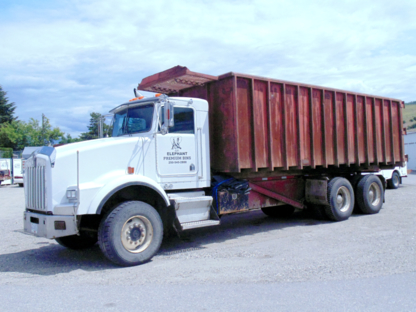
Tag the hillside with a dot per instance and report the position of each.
(409, 115)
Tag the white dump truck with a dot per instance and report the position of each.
(221, 145)
(394, 177)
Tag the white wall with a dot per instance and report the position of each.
(410, 149)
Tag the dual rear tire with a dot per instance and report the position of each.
(370, 194)
(367, 197)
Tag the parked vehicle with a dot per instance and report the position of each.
(394, 176)
(17, 172)
(221, 145)
(5, 171)
(9, 176)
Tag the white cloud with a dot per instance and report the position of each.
(70, 58)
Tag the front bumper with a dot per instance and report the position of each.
(46, 225)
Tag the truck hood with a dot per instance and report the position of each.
(99, 159)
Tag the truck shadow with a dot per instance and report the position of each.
(232, 227)
(52, 259)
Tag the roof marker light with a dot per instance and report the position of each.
(137, 98)
(137, 95)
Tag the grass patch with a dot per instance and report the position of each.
(409, 114)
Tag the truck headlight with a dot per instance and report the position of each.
(72, 195)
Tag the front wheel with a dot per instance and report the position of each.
(340, 199)
(394, 182)
(369, 194)
(131, 234)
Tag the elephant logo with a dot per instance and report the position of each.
(176, 143)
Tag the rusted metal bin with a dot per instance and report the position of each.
(272, 126)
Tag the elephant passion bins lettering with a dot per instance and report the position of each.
(177, 155)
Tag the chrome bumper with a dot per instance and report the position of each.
(49, 226)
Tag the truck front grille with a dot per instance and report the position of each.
(35, 186)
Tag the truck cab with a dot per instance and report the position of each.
(158, 151)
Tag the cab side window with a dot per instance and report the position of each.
(183, 119)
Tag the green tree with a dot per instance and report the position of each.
(93, 127)
(18, 134)
(6, 108)
(6, 152)
(68, 139)
(13, 134)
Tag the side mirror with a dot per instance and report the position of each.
(168, 117)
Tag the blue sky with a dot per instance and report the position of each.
(67, 59)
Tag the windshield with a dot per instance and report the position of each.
(133, 120)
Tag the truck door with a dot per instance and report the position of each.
(176, 151)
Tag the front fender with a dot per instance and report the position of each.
(119, 183)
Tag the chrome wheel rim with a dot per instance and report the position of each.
(395, 180)
(343, 199)
(374, 194)
(136, 234)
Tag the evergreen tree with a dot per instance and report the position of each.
(93, 127)
(68, 139)
(6, 108)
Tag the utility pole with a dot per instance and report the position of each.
(100, 127)
(43, 128)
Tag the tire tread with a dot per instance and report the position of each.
(105, 239)
(329, 211)
(362, 203)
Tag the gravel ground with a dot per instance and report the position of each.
(244, 259)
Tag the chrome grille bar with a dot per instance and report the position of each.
(36, 188)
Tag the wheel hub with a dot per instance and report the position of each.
(343, 199)
(136, 234)
(374, 194)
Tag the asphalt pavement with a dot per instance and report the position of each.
(250, 261)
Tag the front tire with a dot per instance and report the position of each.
(81, 241)
(340, 199)
(369, 194)
(394, 182)
(131, 234)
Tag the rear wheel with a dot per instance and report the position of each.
(340, 199)
(283, 211)
(369, 194)
(131, 234)
(81, 241)
(394, 182)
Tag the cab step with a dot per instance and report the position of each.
(199, 224)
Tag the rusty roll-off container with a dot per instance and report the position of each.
(269, 126)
